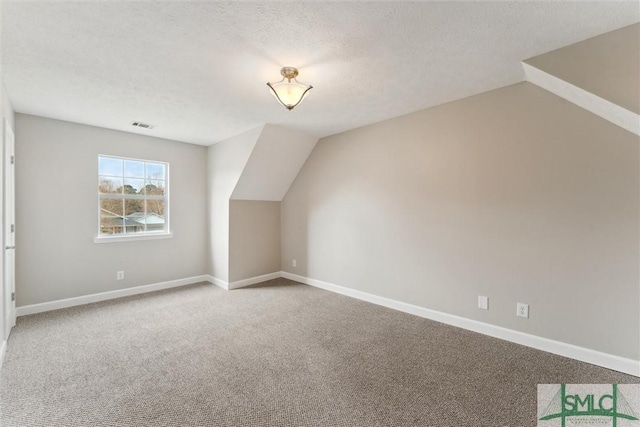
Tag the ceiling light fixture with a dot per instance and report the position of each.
(291, 92)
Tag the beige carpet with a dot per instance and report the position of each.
(279, 354)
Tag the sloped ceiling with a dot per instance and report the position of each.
(275, 161)
(601, 74)
(607, 66)
(197, 70)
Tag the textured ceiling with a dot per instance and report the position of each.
(197, 70)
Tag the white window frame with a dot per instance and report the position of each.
(146, 235)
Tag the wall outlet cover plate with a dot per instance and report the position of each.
(483, 302)
(522, 310)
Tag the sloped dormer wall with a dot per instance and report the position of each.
(599, 74)
(248, 176)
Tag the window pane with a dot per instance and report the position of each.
(133, 206)
(156, 171)
(133, 169)
(155, 187)
(155, 218)
(132, 229)
(132, 181)
(134, 216)
(112, 206)
(109, 166)
(111, 220)
(133, 186)
(109, 185)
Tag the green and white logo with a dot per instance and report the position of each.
(588, 405)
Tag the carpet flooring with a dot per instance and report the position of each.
(276, 354)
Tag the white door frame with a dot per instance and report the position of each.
(9, 278)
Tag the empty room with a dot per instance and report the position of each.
(320, 213)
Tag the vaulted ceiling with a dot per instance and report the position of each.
(197, 71)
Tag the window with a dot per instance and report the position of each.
(133, 198)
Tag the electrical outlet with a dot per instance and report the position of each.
(483, 302)
(120, 275)
(522, 310)
(293, 263)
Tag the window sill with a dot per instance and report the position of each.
(132, 237)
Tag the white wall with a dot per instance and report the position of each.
(56, 208)
(514, 194)
(2, 291)
(8, 114)
(274, 163)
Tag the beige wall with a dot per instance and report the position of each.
(514, 194)
(225, 162)
(254, 243)
(607, 65)
(56, 210)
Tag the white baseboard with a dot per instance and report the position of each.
(3, 351)
(617, 363)
(610, 361)
(218, 282)
(103, 296)
(253, 280)
(244, 282)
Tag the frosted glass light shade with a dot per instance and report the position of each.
(288, 91)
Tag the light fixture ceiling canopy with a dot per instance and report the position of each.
(289, 91)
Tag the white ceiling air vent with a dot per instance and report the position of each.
(141, 125)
